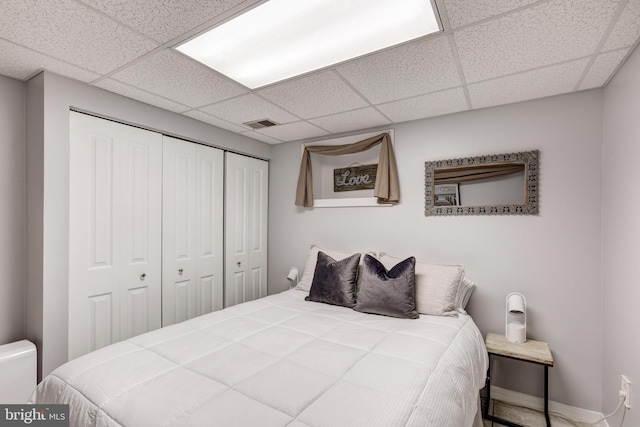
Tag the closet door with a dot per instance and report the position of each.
(246, 207)
(114, 235)
(210, 229)
(192, 251)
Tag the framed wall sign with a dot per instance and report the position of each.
(361, 177)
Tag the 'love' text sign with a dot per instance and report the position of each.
(355, 178)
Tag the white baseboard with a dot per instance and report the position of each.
(537, 404)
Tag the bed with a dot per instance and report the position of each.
(281, 361)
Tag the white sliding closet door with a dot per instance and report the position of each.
(115, 189)
(192, 230)
(245, 228)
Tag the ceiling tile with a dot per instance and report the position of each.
(315, 95)
(140, 95)
(463, 12)
(534, 84)
(204, 117)
(626, 31)
(174, 76)
(21, 63)
(293, 131)
(351, 120)
(163, 20)
(408, 70)
(71, 32)
(602, 68)
(247, 108)
(542, 35)
(433, 104)
(261, 137)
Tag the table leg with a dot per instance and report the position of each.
(486, 415)
(546, 395)
(488, 387)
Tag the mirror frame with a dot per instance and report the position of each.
(530, 206)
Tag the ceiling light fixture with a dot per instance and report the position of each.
(281, 39)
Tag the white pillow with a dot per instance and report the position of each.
(310, 267)
(436, 286)
(464, 293)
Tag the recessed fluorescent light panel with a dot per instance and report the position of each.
(281, 39)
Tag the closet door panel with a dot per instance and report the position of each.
(246, 228)
(258, 227)
(210, 296)
(178, 229)
(141, 222)
(114, 200)
(184, 301)
(94, 226)
(100, 190)
(210, 225)
(100, 321)
(237, 258)
(138, 307)
(192, 230)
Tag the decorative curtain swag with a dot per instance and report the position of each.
(386, 189)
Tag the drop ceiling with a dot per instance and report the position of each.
(491, 52)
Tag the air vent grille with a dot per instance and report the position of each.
(260, 124)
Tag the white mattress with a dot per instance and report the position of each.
(280, 361)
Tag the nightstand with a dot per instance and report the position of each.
(537, 352)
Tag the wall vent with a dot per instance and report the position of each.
(260, 124)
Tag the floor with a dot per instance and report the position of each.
(526, 417)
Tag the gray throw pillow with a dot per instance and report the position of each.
(388, 292)
(334, 282)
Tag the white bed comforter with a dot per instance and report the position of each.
(280, 361)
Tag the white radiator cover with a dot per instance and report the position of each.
(18, 369)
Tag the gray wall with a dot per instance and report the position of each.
(12, 210)
(553, 258)
(621, 238)
(49, 99)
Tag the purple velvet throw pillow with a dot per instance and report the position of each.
(334, 282)
(388, 292)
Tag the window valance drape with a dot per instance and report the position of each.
(386, 189)
(452, 175)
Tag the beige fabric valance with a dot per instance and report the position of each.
(386, 189)
(451, 175)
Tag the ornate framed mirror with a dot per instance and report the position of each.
(499, 184)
